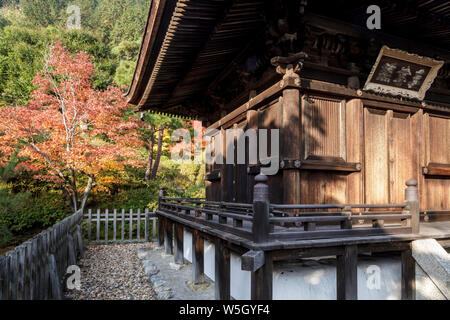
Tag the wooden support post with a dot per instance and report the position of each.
(12, 275)
(408, 275)
(146, 225)
(98, 224)
(4, 274)
(161, 228)
(161, 220)
(139, 224)
(262, 280)
(197, 257)
(290, 135)
(20, 272)
(222, 270)
(35, 276)
(168, 236)
(413, 205)
(28, 273)
(106, 224)
(115, 225)
(347, 224)
(153, 229)
(80, 242)
(179, 252)
(46, 252)
(54, 279)
(130, 221)
(261, 226)
(122, 236)
(346, 274)
(89, 224)
(71, 250)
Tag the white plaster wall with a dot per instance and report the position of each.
(187, 245)
(385, 287)
(240, 280)
(304, 281)
(208, 259)
(378, 279)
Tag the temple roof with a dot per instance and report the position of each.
(189, 44)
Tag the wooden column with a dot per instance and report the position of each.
(290, 139)
(222, 270)
(168, 236)
(408, 275)
(179, 252)
(197, 257)
(412, 201)
(161, 231)
(346, 274)
(252, 123)
(262, 280)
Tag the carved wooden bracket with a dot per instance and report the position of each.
(289, 66)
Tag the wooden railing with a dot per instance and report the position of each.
(120, 226)
(265, 222)
(35, 269)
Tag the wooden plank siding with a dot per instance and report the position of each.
(350, 150)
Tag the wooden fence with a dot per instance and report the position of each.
(120, 226)
(35, 269)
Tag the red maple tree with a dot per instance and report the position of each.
(71, 134)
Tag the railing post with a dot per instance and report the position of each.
(412, 202)
(261, 227)
(262, 278)
(160, 195)
(160, 220)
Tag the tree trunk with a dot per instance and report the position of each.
(149, 160)
(87, 191)
(158, 152)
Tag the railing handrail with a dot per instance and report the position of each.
(268, 222)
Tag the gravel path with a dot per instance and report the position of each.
(112, 272)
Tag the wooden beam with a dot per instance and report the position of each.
(179, 250)
(222, 270)
(197, 257)
(168, 236)
(252, 260)
(346, 274)
(161, 220)
(408, 275)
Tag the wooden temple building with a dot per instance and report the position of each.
(360, 112)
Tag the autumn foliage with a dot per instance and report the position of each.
(71, 134)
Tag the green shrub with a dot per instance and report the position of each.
(21, 211)
(5, 236)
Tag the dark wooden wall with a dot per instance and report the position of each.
(352, 151)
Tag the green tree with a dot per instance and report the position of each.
(45, 12)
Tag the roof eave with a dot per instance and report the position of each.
(138, 84)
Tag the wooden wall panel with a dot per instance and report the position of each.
(324, 128)
(400, 155)
(439, 142)
(355, 139)
(376, 156)
(435, 193)
(241, 171)
(323, 187)
(269, 118)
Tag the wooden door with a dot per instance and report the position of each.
(388, 151)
